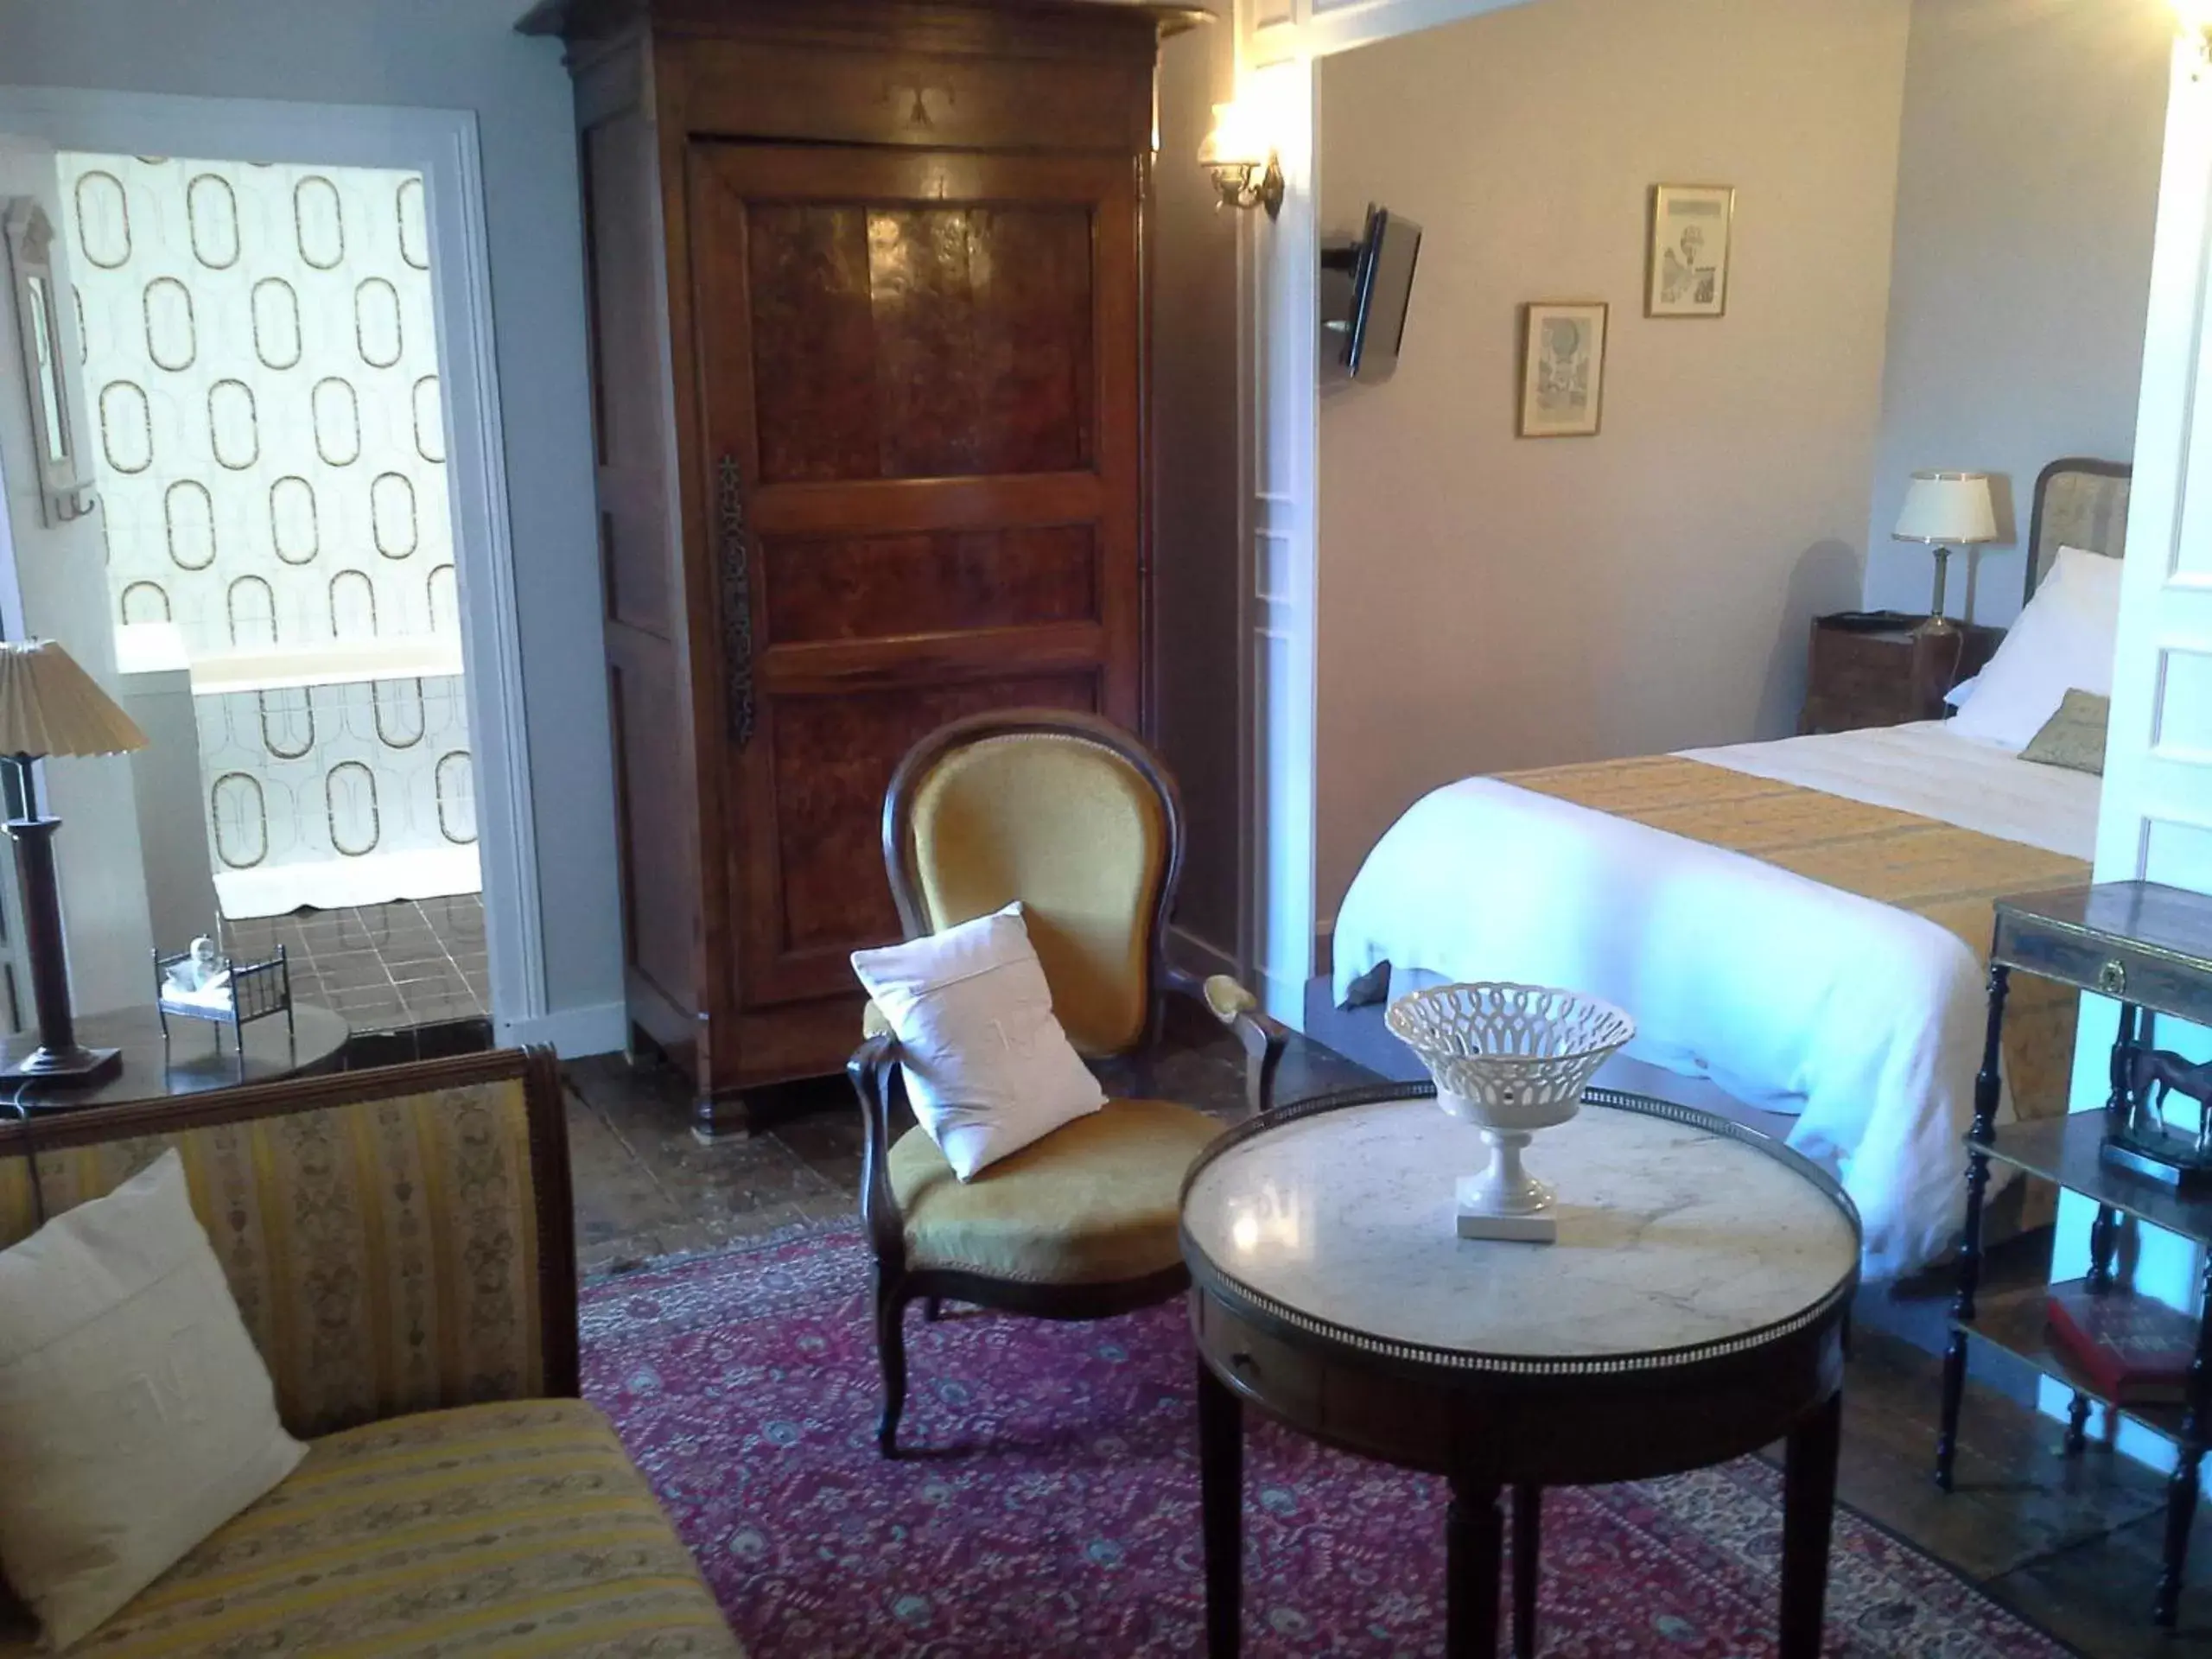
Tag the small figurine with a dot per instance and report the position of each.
(197, 975)
(2170, 1074)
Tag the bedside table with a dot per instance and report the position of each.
(1887, 675)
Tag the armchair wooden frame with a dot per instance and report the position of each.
(875, 1076)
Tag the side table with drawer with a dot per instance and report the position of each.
(1887, 675)
(2149, 947)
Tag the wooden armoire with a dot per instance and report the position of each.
(868, 342)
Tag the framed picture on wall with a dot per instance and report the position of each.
(1562, 368)
(1687, 275)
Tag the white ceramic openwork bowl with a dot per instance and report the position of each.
(1510, 1060)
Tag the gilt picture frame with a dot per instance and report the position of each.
(1563, 368)
(1692, 238)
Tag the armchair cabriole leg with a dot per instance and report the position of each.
(891, 1353)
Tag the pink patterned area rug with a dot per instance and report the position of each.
(1052, 1506)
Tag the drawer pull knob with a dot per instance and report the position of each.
(2112, 979)
(1243, 1364)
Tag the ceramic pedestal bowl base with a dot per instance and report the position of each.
(1509, 1060)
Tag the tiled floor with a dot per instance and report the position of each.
(2071, 1544)
(417, 962)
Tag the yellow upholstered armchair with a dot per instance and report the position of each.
(1080, 821)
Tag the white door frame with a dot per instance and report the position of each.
(1278, 44)
(2155, 819)
(440, 145)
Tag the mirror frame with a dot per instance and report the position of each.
(63, 494)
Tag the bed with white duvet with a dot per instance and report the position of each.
(1861, 1020)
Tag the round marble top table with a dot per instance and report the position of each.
(1692, 1311)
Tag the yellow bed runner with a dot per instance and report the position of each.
(1951, 876)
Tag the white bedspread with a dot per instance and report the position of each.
(1925, 769)
(1864, 1020)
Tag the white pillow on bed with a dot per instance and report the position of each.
(2063, 642)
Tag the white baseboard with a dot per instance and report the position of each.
(1201, 957)
(597, 1029)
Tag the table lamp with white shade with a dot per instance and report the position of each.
(1946, 510)
(49, 705)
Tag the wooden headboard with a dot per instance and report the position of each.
(2079, 503)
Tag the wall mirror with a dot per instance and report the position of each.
(37, 296)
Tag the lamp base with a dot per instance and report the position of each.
(1936, 627)
(74, 1067)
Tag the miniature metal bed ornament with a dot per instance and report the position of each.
(200, 984)
(1510, 1060)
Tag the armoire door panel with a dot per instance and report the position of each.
(824, 587)
(921, 341)
(832, 758)
(891, 505)
(925, 366)
(916, 659)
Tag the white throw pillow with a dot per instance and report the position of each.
(136, 1416)
(2063, 642)
(988, 1069)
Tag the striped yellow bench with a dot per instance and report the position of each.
(400, 1242)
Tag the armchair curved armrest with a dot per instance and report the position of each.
(874, 1070)
(1261, 1037)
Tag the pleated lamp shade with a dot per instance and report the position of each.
(50, 706)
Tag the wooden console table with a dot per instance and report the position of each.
(2149, 948)
(1692, 1312)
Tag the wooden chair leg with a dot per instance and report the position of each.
(891, 1353)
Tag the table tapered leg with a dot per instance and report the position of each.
(1528, 1551)
(2077, 1425)
(1986, 1089)
(1474, 1540)
(1807, 1516)
(2181, 1485)
(1221, 1504)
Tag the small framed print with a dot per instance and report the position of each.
(1690, 234)
(1562, 369)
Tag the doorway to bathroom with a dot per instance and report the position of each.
(260, 351)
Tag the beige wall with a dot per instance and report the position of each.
(2027, 185)
(1194, 477)
(1487, 602)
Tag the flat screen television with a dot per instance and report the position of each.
(1381, 289)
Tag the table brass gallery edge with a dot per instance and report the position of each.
(1492, 1424)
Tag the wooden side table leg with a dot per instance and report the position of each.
(1527, 1555)
(1221, 1508)
(2181, 1485)
(2077, 1425)
(1807, 1517)
(2104, 1240)
(1474, 1542)
(1987, 1087)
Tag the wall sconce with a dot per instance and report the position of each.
(1236, 152)
(2196, 19)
